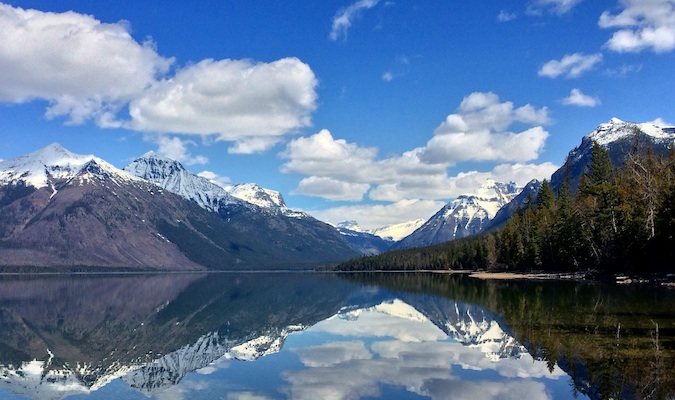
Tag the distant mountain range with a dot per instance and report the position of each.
(468, 214)
(61, 210)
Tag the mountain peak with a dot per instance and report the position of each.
(172, 176)
(616, 130)
(265, 198)
(41, 166)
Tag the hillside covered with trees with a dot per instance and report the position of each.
(620, 219)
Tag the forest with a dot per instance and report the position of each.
(618, 219)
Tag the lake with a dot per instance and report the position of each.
(322, 336)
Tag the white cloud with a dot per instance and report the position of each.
(343, 18)
(505, 16)
(388, 76)
(237, 100)
(338, 170)
(89, 70)
(333, 353)
(253, 145)
(372, 216)
(658, 122)
(322, 155)
(642, 25)
(477, 132)
(177, 149)
(84, 68)
(559, 7)
(215, 178)
(331, 189)
(485, 146)
(571, 65)
(423, 362)
(578, 98)
(623, 70)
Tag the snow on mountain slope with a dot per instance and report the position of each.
(172, 176)
(468, 214)
(617, 129)
(393, 232)
(42, 168)
(397, 232)
(619, 139)
(267, 199)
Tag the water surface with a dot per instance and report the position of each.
(315, 336)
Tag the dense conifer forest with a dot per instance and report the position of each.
(620, 219)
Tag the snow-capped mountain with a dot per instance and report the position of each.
(52, 164)
(468, 324)
(397, 232)
(619, 138)
(394, 232)
(63, 210)
(172, 176)
(361, 241)
(266, 199)
(468, 214)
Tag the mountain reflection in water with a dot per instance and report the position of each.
(318, 336)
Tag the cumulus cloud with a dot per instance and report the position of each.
(331, 189)
(176, 148)
(339, 170)
(322, 155)
(578, 98)
(658, 122)
(571, 65)
(333, 353)
(233, 99)
(642, 25)
(343, 18)
(558, 7)
(477, 132)
(372, 216)
(89, 70)
(215, 178)
(84, 68)
(424, 364)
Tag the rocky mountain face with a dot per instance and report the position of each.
(67, 211)
(468, 214)
(509, 209)
(397, 232)
(619, 138)
(257, 211)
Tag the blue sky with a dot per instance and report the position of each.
(377, 111)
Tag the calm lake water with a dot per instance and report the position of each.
(315, 336)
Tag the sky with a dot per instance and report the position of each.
(369, 110)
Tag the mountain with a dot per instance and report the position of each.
(267, 199)
(619, 138)
(261, 213)
(65, 211)
(510, 208)
(362, 242)
(394, 232)
(397, 232)
(171, 175)
(468, 214)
